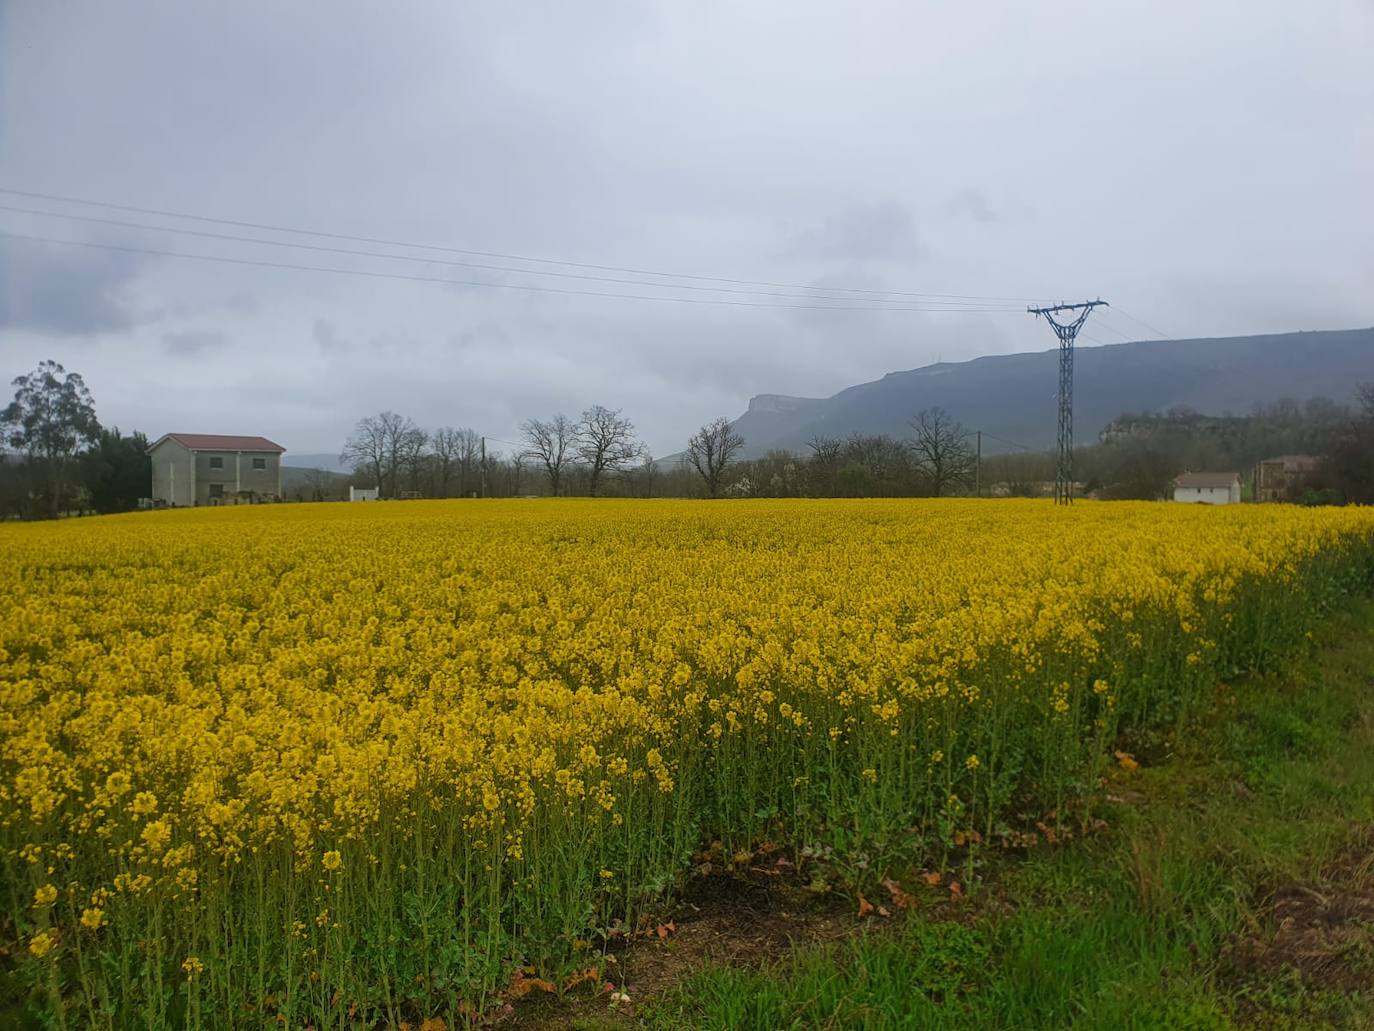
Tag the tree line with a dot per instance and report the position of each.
(600, 453)
(59, 459)
(1140, 453)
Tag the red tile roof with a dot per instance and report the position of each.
(1207, 480)
(220, 442)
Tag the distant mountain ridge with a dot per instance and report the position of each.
(330, 463)
(1013, 396)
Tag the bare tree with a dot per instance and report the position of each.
(382, 444)
(605, 441)
(469, 455)
(825, 449)
(823, 468)
(648, 473)
(445, 445)
(942, 449)
(551, 443)
(319, 484)
(366, 448)
(400, 438)
(711, 450)
(410, 454)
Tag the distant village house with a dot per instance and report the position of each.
(215, 469)
(1208, 488)
(1282, 478)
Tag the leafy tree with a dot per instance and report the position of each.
(711, 450)
(117, 471)
(51, 418)
(1348, 470)
(855, 480)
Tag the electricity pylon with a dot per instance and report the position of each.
(1066, 332)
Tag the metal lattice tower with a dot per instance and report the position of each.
(1066, 332)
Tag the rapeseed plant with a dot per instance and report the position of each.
(340, 763)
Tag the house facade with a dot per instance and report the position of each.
(1282, 478)
(1208, 488)
(192, 469)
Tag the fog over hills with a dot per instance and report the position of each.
(329, 462)
(1013, 396)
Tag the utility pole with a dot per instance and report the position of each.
(1066, 332)
(483, 468)
(978, 468)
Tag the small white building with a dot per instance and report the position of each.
(215, 469)
(1208, 488)
(364, 493)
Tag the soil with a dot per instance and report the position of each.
(723, 920)
(1322, 931)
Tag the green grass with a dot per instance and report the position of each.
(1134, 927)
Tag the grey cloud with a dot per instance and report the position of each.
(973, 204)
(193, 341)
(66, 291)
(779, 141)
(884, 230)
(327, 337)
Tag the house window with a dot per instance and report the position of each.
(216, 461)
(259, 463)
(216, 490)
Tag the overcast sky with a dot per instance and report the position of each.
(1204, 165)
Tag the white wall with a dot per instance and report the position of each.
(1208, 495)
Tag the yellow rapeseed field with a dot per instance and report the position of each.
(367, 762)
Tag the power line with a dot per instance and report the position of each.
(952, 305)
(1004, 440)
(496, 254)
(476, 283)
(1142, 322)
(1112, 329)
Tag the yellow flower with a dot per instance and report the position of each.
(42, 943)
(524, 682)
(156, 835)
(92, 919)
(192, 966)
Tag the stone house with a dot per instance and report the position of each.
(1282, 478)
(215, 469)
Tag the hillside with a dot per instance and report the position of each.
(330, 463)
(1013, 396)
